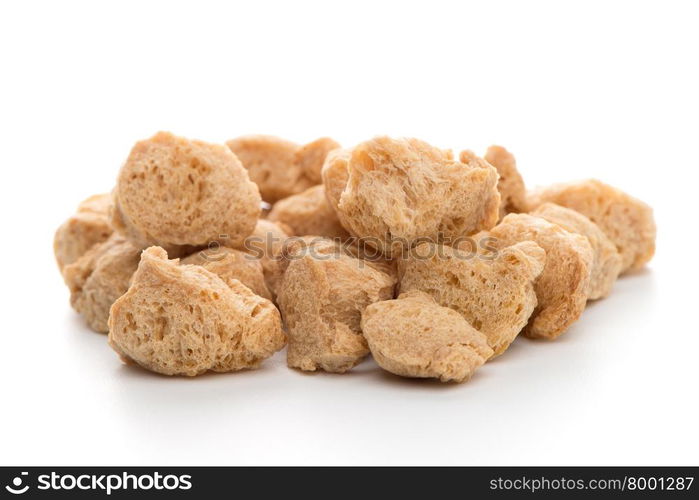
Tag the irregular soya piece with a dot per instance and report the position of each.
(413, 336)
(397, 191)
(309, 213)
(496, 296)
(229, 263)
(83, 230)
(266, 243)
(322, 298)
(510, 183)
(627, 221)
(606, 262)
(184, 320)
(174, 192)
(99, 277)
(562, 288)
(281, 168)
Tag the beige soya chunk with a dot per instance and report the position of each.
(99, 277)
(322, 297)
(606, 262)
(493, 292)
(266, 243)
(308, 213)
(562, 288)
(229, 263)
(86, 228)
(184, 320)
(279, 167)
(181, 194)
(399, 191)
(627, 221)
(413, 336)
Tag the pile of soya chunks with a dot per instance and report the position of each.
(212, 257)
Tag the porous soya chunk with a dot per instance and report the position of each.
(627, 221)
(99, 277)
(494, 294)
(510, 183)
(398, 191)
(322, 298)
(606, 262)
(184, 320)
(83, 230)
(562, 288)
(281, 168)
(266, 243)
(308, 213)
(174, 192)
(413, 336)
(228, 264)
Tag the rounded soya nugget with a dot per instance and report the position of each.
(281, 168)
(266, 243)
(229, 263)
(88, 227)
(510, 182)
(99, 277)
(562, 288)
(174, 192)
(606, 262)
(495, 295)
(398, 191)
(413, 336)
(627, 221)
(308, 213)
(322, 298)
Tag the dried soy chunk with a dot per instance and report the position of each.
(399, 191)
(627, 221)
(279, 167)
(510, 182)
(606, 262)
(88, 227)
(99, 277)
(413, 336)
(495, 294)
(266, 243)
(229, 263)
(308, 213)
(322, 298)
(178, 193)
(562, 288)
(184, 320)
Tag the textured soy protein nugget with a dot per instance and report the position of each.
(99, 277)
(399, 191)
(495, 295)
(308, 213)
(413, 336)
(266, 242)
(510, 183)
(88, 227)
(184, 320)
(563, 286)
(627, 221)
(174, 192)
(279, 167)
(322, 297)
(606, 262)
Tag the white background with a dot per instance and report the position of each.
(594, 89)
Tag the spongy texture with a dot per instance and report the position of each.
(89, 226)
(413, 336)
(627, 221)
(266, 242)
(229, 263)
(322, 298)
(279, 167)
(562, 288)
(606, 262)
(400, 190)
(495, 295)
(176, 192)
(99, 277)
(510, 184)
(308, 213)
(184, 320)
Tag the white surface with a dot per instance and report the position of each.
(604, 90)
